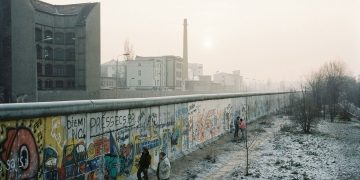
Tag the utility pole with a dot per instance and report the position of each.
(116, 77)
(185, 52)
(246, 138)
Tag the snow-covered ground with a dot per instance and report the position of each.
(281, 151)
(330, 152)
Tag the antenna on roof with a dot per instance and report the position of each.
(128, 50)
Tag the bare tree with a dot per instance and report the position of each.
(315, 84)
(334, 73)
(322, 91)
(304, 109)
(249, 143)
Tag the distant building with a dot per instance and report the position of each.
(160, 73)
(113, 73)
(204, 84)
(229, 81)
(108, 82)
(49, 52)
(195, 70)
(205, 78)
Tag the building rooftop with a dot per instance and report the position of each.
(137, 58)
(113, 62)
(70, 9)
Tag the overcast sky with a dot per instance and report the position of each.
(277, 39)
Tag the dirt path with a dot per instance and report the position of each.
(330, 152)
(218, 159)
(240, 156)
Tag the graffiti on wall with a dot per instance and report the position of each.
(108, 145)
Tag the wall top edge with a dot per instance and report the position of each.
(43, 109)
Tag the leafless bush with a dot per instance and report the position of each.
(304, 110)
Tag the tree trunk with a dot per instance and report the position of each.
(247, 161)
(246, 140)
(247, 153)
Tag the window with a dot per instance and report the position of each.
(178, 74)
(39, 68)
(48, 37)
(48, 55)
(48, 69)
(38, 34)
(59, 38)
(48, 84)
(59, 84)
(70, 70)
(70, 84)
(139, 72)
(40, 84)
(70, 54)
(70, 38)
(59, 70)
(38, 51)
(139, 64)
(59, 54)
(139, 82)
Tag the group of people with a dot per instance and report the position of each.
(239, 124)
(162, 171)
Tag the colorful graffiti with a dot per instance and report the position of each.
(107, 145)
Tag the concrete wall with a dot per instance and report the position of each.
(107, 144)
(129, 93)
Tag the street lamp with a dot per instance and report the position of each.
(117, 73)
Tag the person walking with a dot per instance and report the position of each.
(164, 167)
(144, 164)
(236, 125)
(242, 127)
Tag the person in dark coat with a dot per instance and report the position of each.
(144, 164)
(236, 125)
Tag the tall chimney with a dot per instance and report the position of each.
(185, 52)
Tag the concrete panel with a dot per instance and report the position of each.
(108, 144)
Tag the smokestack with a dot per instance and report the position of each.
(185, 52)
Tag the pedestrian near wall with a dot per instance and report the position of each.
(236, 125)
(242, 127)
(144, 164)
(164, 167)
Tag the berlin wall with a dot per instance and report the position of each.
(107, 144)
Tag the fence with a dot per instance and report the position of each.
(102, 139)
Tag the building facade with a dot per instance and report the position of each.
(229, 82)
(49, 52)
(195, 70)
(204, 85)
(113, 74)
(155, 73)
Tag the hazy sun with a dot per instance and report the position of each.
(208, 43)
